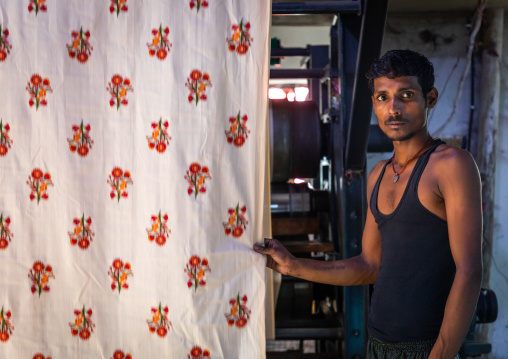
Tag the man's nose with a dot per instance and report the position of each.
(395, 107)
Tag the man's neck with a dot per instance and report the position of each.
(404, 150)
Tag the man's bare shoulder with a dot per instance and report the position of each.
(375, 172)
(452, 162)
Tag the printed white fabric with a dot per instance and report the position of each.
(132, 166)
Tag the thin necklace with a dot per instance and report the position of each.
(396, 177)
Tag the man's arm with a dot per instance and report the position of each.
(460, 186)
(362, 269)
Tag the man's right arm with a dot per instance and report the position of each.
(362, 269)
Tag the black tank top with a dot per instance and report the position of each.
(417, 268)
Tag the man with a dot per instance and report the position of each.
(421, 245)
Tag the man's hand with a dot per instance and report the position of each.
(278, 257)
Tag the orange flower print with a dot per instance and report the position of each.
(196, 176)
(237, 222)
(117, 6)
(38, 88)
(241, 39)
(238, 131)
(80, 142)
(160, 44)
(196, 269)
(239, 313)
(5, 46)
(80, 47)
(83, 325)
(197, 83)
(5, 233)
(198, 4)
(38, 183)
(5, 140)
(118, 180)
(118, 354)
(159, 138)
(41, 356)
(159, 232)
(118, 88)
(119, 271)
(160, 323)
(198, 353)
(39, 275)
(82, 234)
(6, 327)
(37, 5)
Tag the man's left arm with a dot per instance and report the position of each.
(460, 186)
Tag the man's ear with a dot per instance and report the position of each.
(432, 98)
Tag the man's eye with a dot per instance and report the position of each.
(407, 94)
(381, 98)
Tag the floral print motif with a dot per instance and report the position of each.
(118, 180)
(160, 138)
(6, 327)
(236, 223)
(83, 325)
(37, 5)
(196, 270)
(38, 88)
(118, 354)
(80, 141)
(119, 272)
(118, 88)
(238, 131)
(241, 39)
(118, 5)
(5, 233)
(5, 140)
(82, 235)
(80, 48)
(159, 231)
(196, 176)
(198, 353)
(5, 46)
(160, 322)
(41, 356)
(239, 313)
(198, 4)
(196, 83)
(39, 275)
(160, 45)
(39, 182)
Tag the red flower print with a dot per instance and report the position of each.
(160, 322)
(160, 138)
(197, 83)
(5, 140)
(6, 327)
(81, 142)
(237, 222)
(159, 232)
(82, 234)
(118, 88)
(241, 39)
(119, 273)
(37, 5)
(38, 88)
(38, 183)
(196, 176)
(198, 4)
(239, 313)
(83, 324)
(5, 233)
(198, 353)
(5, 46)
(118, 354)
(117, 6)
(196, 270)
(80, 48)
(160, 44)
(118, 180)
(238, 131)
(39, 276)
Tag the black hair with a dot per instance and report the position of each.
(397, 63)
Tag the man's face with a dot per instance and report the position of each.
(400, 106)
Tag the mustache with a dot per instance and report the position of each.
(394, 119)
